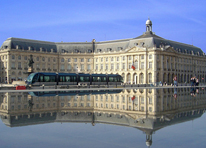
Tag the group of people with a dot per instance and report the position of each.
(194, 81)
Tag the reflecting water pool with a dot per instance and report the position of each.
(105, 118)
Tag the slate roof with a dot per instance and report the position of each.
(148, 39)
(24, 44)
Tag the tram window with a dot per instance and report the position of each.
(83, 79)
(94, 79)
(41, 79)
(98, 79)
(62, 79)
(68, 79)
(111, 79)
(74, 79)
(115, 79)
(35, 79)
(104, 79)
(46, 78)
(52, 78)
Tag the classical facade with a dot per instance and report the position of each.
(145, 59)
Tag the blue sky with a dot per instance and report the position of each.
(81, 20)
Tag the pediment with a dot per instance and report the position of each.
(170, 49)
(135, 49)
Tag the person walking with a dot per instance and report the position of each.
(192, 81)
(175, 80)
(197, 82)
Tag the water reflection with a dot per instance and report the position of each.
(148, 110)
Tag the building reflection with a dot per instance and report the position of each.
(145, 109)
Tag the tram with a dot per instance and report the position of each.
(46, 79)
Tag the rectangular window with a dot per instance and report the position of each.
(112, 66)
(88, 60)
(88, 67)
(82, 66)
(130, 65)
(142, 65)
(142, 57)
(150, 77)
(62, 66)
(123, 66)
(75, 59)
(150, 100)
(96, 66)
(142, 100)
(69, 67)
(150, 56)
(82, 60)
(106, 67)
(75, 67)
(150, 65)
(69, 60)
(13, 65)
(19, 64)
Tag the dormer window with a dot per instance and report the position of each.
(63, 50)
(48, 50)
(5, 47)
(119, 48)
(99, 50)
(43, 50)
(109, 49)
(89, 51)
(76, 50)
(18, 47)
(142, 43)
(31, 48)
(54, 50)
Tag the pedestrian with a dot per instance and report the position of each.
(197, 82)
(175, 80)
(192, 81)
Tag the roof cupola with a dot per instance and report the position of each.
(148, 25)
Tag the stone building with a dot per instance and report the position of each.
(145, 59)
